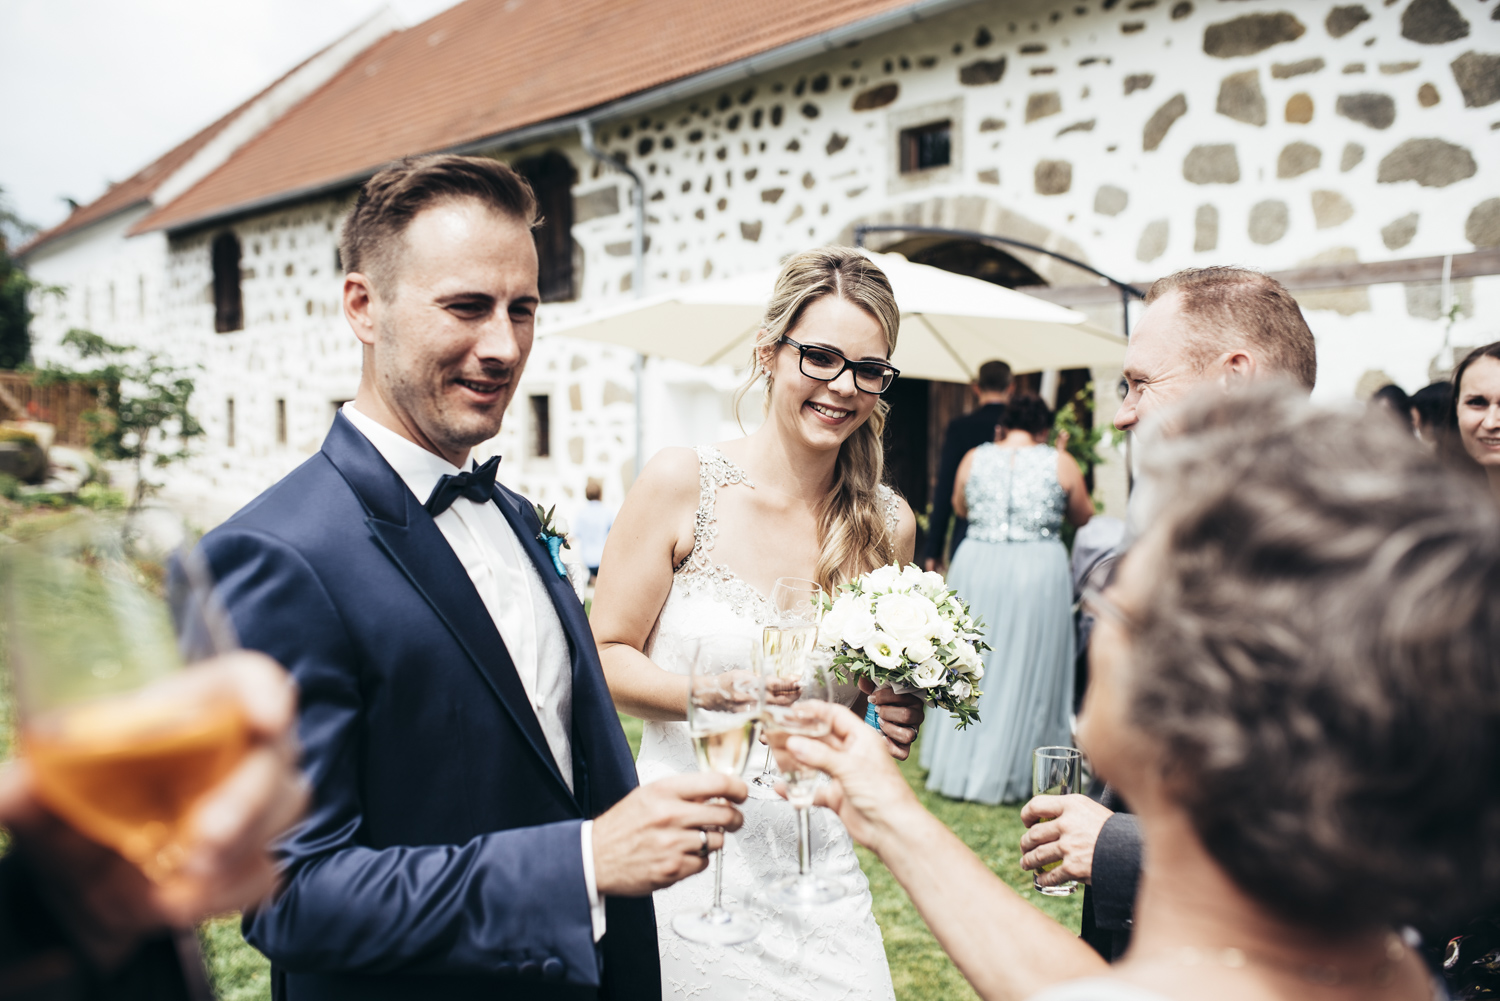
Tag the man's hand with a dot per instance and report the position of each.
(1062, 827)
(104, 901)
(900, 717)
(652, 838)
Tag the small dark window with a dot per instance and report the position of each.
(552, 177)
(926, 146)
(229, 313)
(541, 426)
(281, 422)
(229, 422)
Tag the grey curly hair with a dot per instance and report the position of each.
(1320, 660)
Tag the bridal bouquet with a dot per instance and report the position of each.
(905, 628)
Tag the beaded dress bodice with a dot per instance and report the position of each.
(1013, 494)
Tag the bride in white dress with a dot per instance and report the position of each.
(694, 551)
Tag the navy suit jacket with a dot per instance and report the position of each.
(441, 856)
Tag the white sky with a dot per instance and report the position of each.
(97, 89)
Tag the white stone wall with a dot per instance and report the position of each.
(1069, 132)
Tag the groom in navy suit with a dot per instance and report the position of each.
(476, 829)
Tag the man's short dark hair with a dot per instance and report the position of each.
(1236, 307)
(392, 198)
(994, 377)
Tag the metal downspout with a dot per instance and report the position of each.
(638, 281)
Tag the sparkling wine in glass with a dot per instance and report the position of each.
(790, 634)
(1055, 771)
(800, 710)
(122, 740)
(726, 694)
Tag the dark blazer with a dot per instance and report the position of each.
(441, 856)
(964, 433)
(1109, 903)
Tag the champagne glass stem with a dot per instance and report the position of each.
(804, 842)
(718, 881)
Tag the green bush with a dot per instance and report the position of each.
(100, 497)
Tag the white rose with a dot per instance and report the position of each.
(904, 616)
(560, 526)
(920, 650)
(935, 581)
(881, 579)
(928, 674)
(960, 689)
(942, 630)
(859, 626)
(976, 671)
(883, 650)
(832, 626)
(912, 577)
(965, 652)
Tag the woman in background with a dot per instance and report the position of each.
(1476, 411)
(1012, 569)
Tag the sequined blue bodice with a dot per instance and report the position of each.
(1013, 494)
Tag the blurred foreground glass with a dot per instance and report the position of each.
(726, 693)
(799, 708)
(790, 633)
(1055, 771)
(122, 740)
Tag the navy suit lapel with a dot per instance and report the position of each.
(404, 530)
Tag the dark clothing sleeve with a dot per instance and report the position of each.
(38, 962)
(1109, 903)
(942, 497)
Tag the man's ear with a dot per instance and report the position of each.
(359, 297)
(1238, 367)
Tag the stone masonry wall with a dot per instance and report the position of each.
(1140, 136)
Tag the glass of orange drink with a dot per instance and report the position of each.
(123, 737)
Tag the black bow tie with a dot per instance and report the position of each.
(477, 485)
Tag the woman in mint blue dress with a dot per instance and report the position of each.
(1012, 569)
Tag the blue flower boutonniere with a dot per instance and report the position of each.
(554, 535)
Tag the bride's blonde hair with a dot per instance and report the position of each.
(852, 529)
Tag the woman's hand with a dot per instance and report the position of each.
(866, 790)
(900, 716)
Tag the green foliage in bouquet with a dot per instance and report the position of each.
(903, 628)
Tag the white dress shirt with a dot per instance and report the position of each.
(513, 593)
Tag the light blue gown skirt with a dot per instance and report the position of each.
(1024, 593)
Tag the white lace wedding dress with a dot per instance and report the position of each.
(827, 953)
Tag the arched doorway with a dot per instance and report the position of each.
(920, 409)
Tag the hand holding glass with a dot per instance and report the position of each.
(801, 710)
(1055, 772)
(122, 741)
(790, 633)
(725, 697)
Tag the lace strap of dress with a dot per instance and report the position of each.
(892, 516)
(714, 471)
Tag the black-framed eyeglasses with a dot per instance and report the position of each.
(826, 365)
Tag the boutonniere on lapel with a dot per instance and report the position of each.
(554, 535)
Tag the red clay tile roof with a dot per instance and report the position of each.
(486, 67)
(139, 187)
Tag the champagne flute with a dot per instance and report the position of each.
(1054, 772)
(122, 740)
(801, 710)
(726, 693)
(790, 634)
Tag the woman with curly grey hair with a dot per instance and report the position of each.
(1295, 685)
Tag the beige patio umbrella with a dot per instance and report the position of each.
(950, 324)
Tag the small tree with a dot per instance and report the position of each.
(15, 289)
(143, 404)
(1083, 442)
